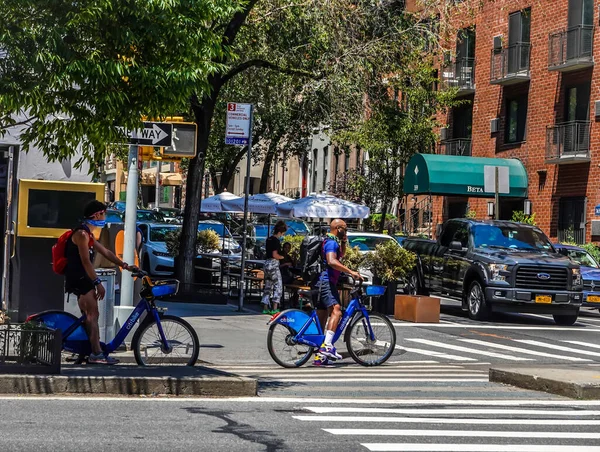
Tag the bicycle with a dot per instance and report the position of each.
(159, 339)
(300, 342)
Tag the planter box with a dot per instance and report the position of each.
(417, 309)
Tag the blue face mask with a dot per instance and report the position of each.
(96, 223)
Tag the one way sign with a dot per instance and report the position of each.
(159, 134)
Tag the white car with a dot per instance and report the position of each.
(367, 242)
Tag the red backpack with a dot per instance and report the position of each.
(59, 258)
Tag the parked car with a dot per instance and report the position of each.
(367, 242)
(154, 256)
(114, 216)
(118, 205)
(400, 239)
(149, 216)
(169, 214)
(497, 266)
(590, 272)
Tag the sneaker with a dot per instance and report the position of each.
(275, 311)
(101, 358)
(320, 360)
(329, 351)
(266, 310)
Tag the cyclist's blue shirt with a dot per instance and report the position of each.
(329, 274)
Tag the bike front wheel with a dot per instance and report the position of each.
(283, 349)
(182, 347)
(362, 348)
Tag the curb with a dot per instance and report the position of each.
(111, 385)
(571, 389)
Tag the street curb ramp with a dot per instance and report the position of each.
(213, 386)
(573, 383)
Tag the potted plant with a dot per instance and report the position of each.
(390, 264)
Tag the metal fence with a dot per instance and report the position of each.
(456, 146)
(509, 61)
(460, 74)
(27, 348)
(568, 139)
(575, 43)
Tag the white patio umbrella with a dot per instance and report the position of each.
(265, 203)
(322, 206)
(214, 204)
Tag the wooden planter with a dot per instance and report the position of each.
(417, 309)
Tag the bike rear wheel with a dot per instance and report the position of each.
(149, 349)
(281, 348)
(365, 351)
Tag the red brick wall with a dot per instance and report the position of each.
(547, 183)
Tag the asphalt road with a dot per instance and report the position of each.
(316, 424)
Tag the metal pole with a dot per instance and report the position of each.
(497, 193)
(157, 185)
(245, 223)
(10, 231)
(130, 224)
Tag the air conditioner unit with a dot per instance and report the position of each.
(597, 108)
(498, 42)
(444, 133)
(494, 125)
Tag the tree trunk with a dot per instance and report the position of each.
(266, 171)
(383, 215)
(229, 171)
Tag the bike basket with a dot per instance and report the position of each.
(374, 291)
(164, 288)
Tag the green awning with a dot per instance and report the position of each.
(460, 176)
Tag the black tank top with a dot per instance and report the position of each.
(75, 269)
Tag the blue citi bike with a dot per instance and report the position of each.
(160, 339)
(370, 337)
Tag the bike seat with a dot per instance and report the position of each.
(304, 292)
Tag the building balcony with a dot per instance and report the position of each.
(461, 75)
(568, 142)
(510, 64)
(456, 146)
(110, 164)
(571, 49)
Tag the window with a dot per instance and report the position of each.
(571, 219)
(581, 12)
(448, 233)
(358, 158)
(519, 26)
(336, 163)
(462, 235)
(325, 166)
(462, 121)
(577, 102)
(347, 161)
(516, 119)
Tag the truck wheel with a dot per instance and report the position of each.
(478, 308)
(412, 284)
(565, 320)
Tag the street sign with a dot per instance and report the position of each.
(597, 211)
(184, 141)
(237, 130)
(489, 178)
(153, 134)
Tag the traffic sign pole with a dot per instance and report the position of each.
(245, 223)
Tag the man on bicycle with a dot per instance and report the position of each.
(80, 277)
(334, 247)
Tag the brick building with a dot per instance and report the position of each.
(527, 72)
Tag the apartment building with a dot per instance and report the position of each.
(526, 71)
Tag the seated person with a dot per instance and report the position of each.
(287, 264)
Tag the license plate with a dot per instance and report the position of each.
(543, 299)
(593, 299)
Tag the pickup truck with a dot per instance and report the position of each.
(497, 266)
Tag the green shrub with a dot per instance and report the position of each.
(519, 216)
(390, 262)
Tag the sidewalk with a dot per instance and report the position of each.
(575, 381)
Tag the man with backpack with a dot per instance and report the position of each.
(333, 249)
(73, 256)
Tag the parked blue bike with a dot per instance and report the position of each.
(159, 340)
(370, 337)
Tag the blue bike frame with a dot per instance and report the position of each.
(142, 306)
(307, 335)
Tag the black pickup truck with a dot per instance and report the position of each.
(497, 266)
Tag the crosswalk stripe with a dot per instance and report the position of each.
(583, 344)
(461, 433)
(468, 350)
(557, 347)
(435, 354)
(442, 411)
(525, 351)
(369, 375)
(384, 380)
(348, 368)
(438, 420)
(409, 447)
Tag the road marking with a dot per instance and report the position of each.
(523, 350)
(408, 447)
(497, 327)
(468, 350)
(583, 344)
(442, 411)
(461, 433)
(558, 347)
(344, 368)
(329, 372)
(443, 420)
(435, 354)
(387, 380)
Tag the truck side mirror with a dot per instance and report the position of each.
(456, 246)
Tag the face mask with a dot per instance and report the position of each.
(96, 223)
